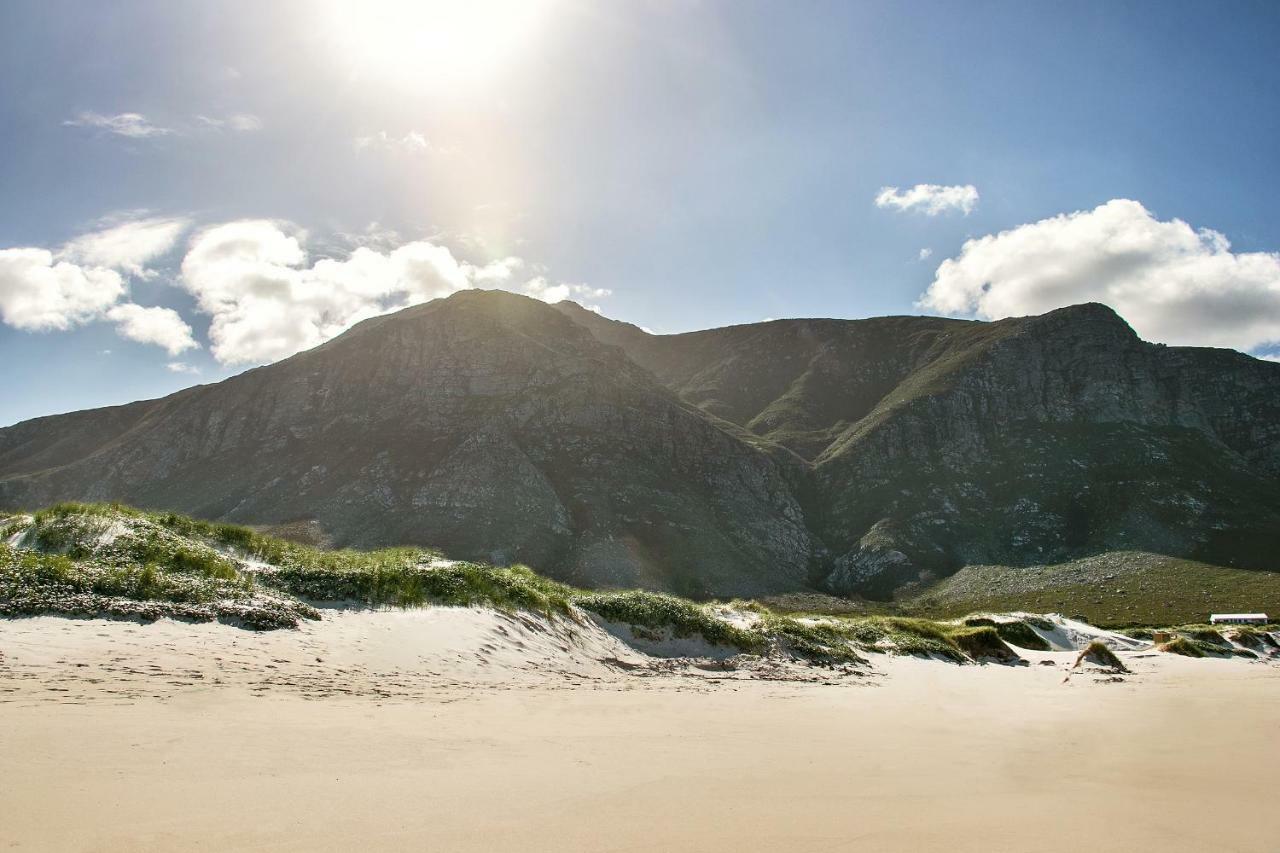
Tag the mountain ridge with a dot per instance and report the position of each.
(853, 456)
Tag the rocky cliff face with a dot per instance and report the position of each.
(854, 456)
(939, 443)
(486, 424)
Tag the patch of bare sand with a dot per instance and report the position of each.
(118, 736)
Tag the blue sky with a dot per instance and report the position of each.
(705, 163)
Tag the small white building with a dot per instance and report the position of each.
(1238, 619)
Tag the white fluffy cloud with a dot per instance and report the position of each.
(160, 326)
(929, 199)
(127, 247)
(267, 297)
(1173, 283)
(130, 125)
(82, 283)
(38, 293)
(268, 300)
(549, 291)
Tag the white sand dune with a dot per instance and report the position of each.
(464, 729)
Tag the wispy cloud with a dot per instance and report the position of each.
(183, 367)
(129, 125)
(240, 123)
(930, 199)
(138, 126)
(412, 142)
(925, 254)
(127, 246)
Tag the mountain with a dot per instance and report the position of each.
(852, 456)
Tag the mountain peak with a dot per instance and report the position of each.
(851, 455)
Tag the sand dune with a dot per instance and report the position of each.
(457, 729)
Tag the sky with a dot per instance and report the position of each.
(190, 190)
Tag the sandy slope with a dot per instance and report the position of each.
(460, 730)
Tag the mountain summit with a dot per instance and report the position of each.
(854, 456)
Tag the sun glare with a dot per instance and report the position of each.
(433, 43)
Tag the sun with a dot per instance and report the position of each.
(433, 44)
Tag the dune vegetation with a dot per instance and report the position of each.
(117, 561)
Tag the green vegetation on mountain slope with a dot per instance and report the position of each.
(1118, 588)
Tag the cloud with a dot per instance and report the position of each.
(130, 125)
(1270, 356)
(240, 122)
(548, 291)
(1173, 283)
(182, 367)
(39, 293)
(127, 247)
(925, 254)
(42, 291)
(930, 199)
(160, 326)
(269, 300)
(412, 142)
(138, 126)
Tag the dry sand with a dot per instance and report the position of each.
(454, 729)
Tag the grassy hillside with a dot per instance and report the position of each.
(1119, 588)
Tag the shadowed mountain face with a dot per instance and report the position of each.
(853, 456)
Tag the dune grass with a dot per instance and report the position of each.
(1182, 646)
(659, 611)
(1100, 653)
(982, 641)
(821, 642)
(109, 558)
(1017, 632)
(33, 583)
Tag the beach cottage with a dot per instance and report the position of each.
(1238, 619)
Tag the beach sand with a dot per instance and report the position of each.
(455, 729)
